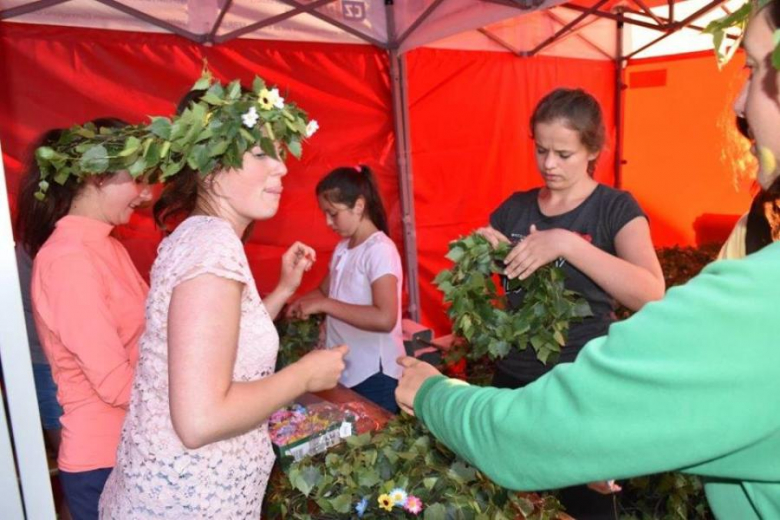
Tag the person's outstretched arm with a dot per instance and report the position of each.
(684, 382)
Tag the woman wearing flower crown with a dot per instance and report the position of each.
(88, 304)
(195, 443)
(689, 383)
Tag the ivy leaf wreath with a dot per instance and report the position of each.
(481, 316)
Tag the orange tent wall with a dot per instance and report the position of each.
(684, 155)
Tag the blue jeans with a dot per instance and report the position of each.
(379, 389)
(46, 392)
(82, 491)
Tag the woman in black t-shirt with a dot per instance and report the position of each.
(598, 235)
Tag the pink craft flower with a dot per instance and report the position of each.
(413, 505)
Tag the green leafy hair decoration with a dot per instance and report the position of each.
(213, 132)
(738, 20)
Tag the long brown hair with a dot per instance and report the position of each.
(184, 192)
(35, 219)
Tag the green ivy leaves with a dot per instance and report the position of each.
(479, 313)
(738, 20)
(403, 455)
(296, 338)
(216, 131)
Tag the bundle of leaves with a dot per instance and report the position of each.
(296, 338)
(358, 478)
(479, 313)
(680, 264)
(666, 496)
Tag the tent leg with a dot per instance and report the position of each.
(620, 87)
(403, 144)
(18, 379)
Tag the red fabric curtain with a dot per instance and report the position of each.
(469, 115)
(59, 76)
(471, 142)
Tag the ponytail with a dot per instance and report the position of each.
(345, 185)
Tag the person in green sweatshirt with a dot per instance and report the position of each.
(689, 383)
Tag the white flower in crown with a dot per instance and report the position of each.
(276, 99)
(250, 117)
(312, 127)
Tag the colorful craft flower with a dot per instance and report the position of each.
(385, 502)
(413, 505)
(268, 99)
(361, 506)
(399, 497)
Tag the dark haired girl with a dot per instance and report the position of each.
(361, 295)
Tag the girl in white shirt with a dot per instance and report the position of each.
(361, 295)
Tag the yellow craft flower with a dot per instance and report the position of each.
(268, 99)
(265, 100)
(385, 502)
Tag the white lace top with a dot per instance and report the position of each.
(156, 476)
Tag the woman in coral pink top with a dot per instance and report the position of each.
(88, 302)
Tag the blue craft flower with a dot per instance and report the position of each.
(361, 506)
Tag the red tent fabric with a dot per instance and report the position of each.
(469, 113)
(58, 76)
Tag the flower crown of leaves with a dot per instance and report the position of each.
(739, 20)
(213, 132)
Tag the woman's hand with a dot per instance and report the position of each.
(295, 261)
(416, 372)
(306, 306)
(537, 249)
(322, 368)
(605, 487)
(493, 236)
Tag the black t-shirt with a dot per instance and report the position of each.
(598, 220)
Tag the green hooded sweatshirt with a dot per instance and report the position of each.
(689, 383)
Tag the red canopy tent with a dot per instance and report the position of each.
(434, 95)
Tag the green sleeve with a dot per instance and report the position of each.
(683, 384)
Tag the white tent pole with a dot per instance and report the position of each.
(403, 148)
(18, 378)
(9, 482)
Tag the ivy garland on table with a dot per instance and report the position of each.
(479, 314)
(400, 472)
